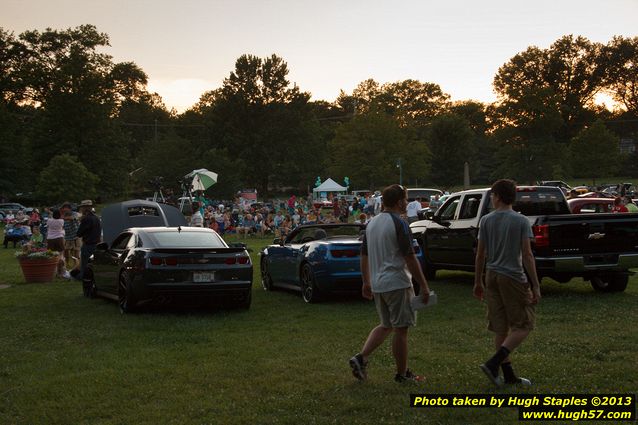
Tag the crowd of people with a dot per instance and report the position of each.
(57, 229)
(282, 218)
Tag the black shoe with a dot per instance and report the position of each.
(409, 377)
(492, 375)
(359, 367)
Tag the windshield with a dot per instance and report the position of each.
(175, 239)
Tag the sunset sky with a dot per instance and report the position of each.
(188, 47)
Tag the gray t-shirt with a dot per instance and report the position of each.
(386, 243)
(503, 233)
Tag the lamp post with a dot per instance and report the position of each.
(400, 167)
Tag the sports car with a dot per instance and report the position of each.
(314, 259)
(159, 263)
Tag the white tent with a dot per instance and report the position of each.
(328, 186)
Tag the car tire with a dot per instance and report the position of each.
(266, 279)
(88, 285)
(246, 300)
(429, 271)
(309, 291)
(616, 282)
(126, 300)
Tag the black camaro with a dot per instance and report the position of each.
(144, 264)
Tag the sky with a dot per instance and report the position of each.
(188, 47)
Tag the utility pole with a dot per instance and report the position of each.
(400, 167)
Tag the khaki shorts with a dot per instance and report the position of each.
(394, 308)
(508, 304)
(73, 245)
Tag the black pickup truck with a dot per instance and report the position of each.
(601, 248)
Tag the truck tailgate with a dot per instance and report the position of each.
(594, 234)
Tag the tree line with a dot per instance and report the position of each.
(75, 124)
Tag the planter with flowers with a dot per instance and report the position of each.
(38, 264)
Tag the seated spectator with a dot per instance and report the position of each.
(34, 219)
(618, 206)
(248, 225)
(16, 234)
(37, 239)
(311, 218)
(362, 219)
(286, 227)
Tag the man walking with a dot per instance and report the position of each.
(412, 210)
(388, 264)
(504, 239)
(90, 231)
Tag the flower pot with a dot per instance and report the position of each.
(39, 269)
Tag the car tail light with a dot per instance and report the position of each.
(230, 260)
(348, 253)
(170, 261)
(541, 235)
(156, 261)
(243, 260)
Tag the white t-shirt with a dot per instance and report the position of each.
(55, 228)
(413, 208)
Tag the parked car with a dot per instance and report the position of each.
(14, 207)
(556, 183)
(600, 248)
(590, 205)
(423, 193)
(315, 260)
(156, 257)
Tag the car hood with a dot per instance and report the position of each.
(138, 213)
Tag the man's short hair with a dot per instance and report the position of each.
(393, 194)
(505, 189)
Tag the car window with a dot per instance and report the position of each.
(131, 242)
(121, 242)
(470, 206)
(183, 239)
(448, 210)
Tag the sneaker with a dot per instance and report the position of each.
(66, 275)
(359, 367)
(493, 377)
(409, 377)
(523, 382)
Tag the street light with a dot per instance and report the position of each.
(400, 167)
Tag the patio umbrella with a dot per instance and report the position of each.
(202, 179)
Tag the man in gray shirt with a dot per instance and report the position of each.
(504, 239)
(388, 264)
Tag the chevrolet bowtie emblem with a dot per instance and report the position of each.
(596, 236)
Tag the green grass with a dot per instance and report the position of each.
(70, 360)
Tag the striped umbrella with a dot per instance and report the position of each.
(202, 179)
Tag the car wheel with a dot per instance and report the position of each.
(610, 283)
(244, 303)
(266, 279)
(88, 285)
(429, 271)
(309, 291)
(126, 300)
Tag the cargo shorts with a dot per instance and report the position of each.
(509, 304)
(394, 308)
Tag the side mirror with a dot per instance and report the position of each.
(102, 246)
(429, 215)
(276, 241)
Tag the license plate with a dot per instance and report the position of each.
(200, 277)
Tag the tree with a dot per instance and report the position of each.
(367, 148)
(595, 151)
(622, 72)
(450, 140)
(570, 72)
(261, 119)
(66, 178)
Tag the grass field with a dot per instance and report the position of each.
(70, 360)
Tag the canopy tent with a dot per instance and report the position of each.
(328, 186)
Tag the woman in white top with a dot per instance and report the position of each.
(55, 240)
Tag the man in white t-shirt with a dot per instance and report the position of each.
(413, 210)
(388, 264)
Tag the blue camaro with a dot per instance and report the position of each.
(314, 259)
